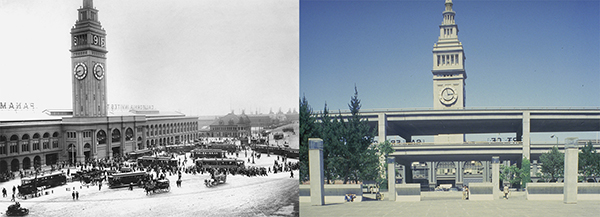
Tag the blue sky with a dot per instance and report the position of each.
(519, 53)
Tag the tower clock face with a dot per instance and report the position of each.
(80, 71)
(448, 96)
(99, 71)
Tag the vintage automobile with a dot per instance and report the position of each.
(161, 185)
(216, 179)
(16, 210)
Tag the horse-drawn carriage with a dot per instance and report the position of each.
(161, 185)
(217, 178)
(90, 176)
(16, 210)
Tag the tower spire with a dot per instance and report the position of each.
(88, 3)
(448, 64)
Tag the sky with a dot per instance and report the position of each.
(197, 57)
(518, 54)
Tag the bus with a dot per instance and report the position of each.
(149, 160)
(229, 147)
(140, 153)
(208, 153)
(218, 163)
(179, 149)
(118, 180)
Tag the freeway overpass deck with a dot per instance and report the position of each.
(479, 151)
(408, 123)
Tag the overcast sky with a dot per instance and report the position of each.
(518, 53)
(197, 57)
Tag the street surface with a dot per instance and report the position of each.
(272, 195)
(438, 204)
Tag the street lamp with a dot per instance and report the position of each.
(556, 138)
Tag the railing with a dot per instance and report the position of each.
(468, 108)
(460, 143)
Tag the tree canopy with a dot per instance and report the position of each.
(589, 161)
(348, 150)
(553, 163)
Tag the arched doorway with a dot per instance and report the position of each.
(14, 165)
(140, 143)
(116, 152)
(26, 163)
(446, 173)
(37, 162)
(86, 151)
(3, 166)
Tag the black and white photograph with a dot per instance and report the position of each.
(149, 108)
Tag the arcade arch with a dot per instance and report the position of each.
(26, 163)
(116, 135)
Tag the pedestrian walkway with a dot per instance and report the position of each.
(450, 204)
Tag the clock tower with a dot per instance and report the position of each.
(448, 65)
(88, 63)
(448, 71)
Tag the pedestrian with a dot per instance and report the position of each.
(77, 195)
(3, 192)
(14, 189)
(100, 186)
(506, 191)
(73, 194)
(131, 186)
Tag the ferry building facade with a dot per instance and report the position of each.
(89, 131)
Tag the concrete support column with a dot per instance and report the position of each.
(534, 170)
(486, 171)
(381, 127)
(407, 171)
(391, 167)
(496, 177)
(432, 175)
(526, 130)
(315, 160)
(459, 173)
(571, 164)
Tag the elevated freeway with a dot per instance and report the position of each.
(408, 123)
(477, 151)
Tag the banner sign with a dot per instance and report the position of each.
(16, 106)
(125, 107)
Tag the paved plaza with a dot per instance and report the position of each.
(451, 204)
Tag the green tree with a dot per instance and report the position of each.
(525, 172)
(512, 174)
(553, 163)
(358, 137)
(385, 149)
(308, 129)
(327, 130)
(589, 161)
